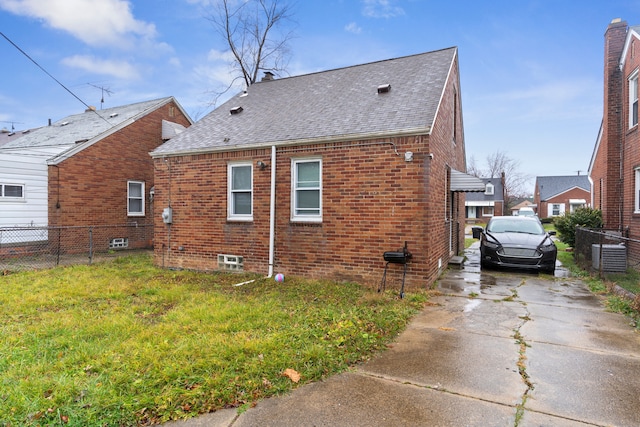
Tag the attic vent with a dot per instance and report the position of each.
(112, 115)
(236, 110)
(384, 88)
(230, 262)
(64, 123)
(26, 131)
(80, 141)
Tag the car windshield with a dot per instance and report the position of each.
(507, 225)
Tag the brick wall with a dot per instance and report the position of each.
(606, 167)
(90, 188)
(373, 201)
(574, 193)
(631, 142)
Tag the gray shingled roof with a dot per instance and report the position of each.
(71, 130)
(330, 105)
(551, 186)
(481, 197)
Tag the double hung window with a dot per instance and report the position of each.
(135, 198)
(306, 198)
(240, 196)
(633, 99)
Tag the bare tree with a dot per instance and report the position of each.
(499, 164)
(251, 30)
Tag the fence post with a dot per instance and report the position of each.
(90, 244)
(601, 238)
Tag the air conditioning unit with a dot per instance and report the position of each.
(614, 258)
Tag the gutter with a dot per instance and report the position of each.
(272, 212)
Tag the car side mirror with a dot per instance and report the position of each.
(552, 233)
(477, 232)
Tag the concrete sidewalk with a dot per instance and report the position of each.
(496, 349)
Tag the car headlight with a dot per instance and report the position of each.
(491, 245)
(547, 244)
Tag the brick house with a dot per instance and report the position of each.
(91, 168)
(481, 206)
(615, 162)
(318, 175)
(555, 195)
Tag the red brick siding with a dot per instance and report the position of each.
(631, 142)
(606, 167)
(90, 188)
(574, 193)
(373, 201)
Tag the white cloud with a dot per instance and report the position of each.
(381, 9)
(119, 69)
(95, 22)
(352, 27)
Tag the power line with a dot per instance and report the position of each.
(48, 74)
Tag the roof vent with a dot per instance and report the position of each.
(112, 115)
(236, 110)
(384, 88)
(64, 123)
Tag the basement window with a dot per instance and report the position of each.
(230, 262)
(119, 243)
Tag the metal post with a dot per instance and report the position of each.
(90, 244)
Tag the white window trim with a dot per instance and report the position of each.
(636, 202)
(129, 213)
(4, 198)
(633, 98)
(304, 218)
(231, 216)
(489, 189)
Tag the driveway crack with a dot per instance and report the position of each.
(522, 357)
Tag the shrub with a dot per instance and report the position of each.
(584, 217)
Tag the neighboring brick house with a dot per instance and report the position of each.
(318, 175)
(91, 168)
(523, 204)
(481, 206)
(557, 195)
(615, 162)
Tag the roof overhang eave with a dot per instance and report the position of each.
(293, 142)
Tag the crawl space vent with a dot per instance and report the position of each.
(230, 262)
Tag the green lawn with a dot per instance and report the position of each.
(126, 343)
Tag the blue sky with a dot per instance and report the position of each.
(531, 70)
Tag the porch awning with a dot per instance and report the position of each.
(462, 182)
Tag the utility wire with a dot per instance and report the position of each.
(48, 74)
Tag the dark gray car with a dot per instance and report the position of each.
(517, 242)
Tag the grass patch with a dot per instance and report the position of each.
(629, 280)
(126, 343)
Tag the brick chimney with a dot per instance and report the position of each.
(613, 121)
(268, 76)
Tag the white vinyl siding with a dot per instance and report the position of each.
(135, 198)
(240, 191)
(306, 183)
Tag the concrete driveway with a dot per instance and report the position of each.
(495, 349)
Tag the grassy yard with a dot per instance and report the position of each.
(126, 343)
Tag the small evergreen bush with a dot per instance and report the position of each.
(567, 223)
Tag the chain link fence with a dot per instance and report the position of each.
(606, 250)
(29, 248)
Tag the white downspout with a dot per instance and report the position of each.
(272, 218)
(272, 211)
